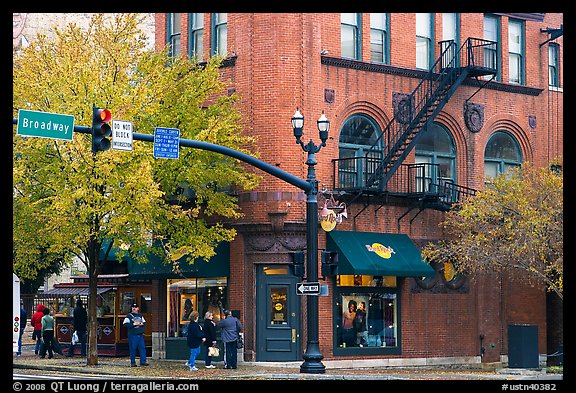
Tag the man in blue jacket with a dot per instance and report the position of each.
(230, 326)
(135, 323)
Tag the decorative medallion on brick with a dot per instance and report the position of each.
(329, 95)
(403, 105)
(532, 121)
(473, 116)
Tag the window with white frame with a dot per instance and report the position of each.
(378, 38)
(424, 48)
(515, 49)
(196, 35)
(350, 35)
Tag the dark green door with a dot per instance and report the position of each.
(277, 315)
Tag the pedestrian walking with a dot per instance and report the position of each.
(136, 323)
(36, 323)
(230, 327)
(79, 323)
(194, 339)
(47, 334)
(23, 318)
(210, 334)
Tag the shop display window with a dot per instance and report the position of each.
(366, 317)
(194, 294)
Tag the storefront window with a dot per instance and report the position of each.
(366, 312)
(187, 295)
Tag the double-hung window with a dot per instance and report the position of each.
(492, 33)
(424, 37)
(196, 41)
(379, 38)
(174, 33)
(220, 34)
(350, 36)
(553, 70)
(516, 52)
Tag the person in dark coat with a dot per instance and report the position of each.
(210, 334)
(136, 325)
(230, 328)
(194, 339)
(79, 323)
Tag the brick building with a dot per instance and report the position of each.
(381, 78)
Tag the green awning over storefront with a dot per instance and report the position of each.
(217, 266)
(377, 254)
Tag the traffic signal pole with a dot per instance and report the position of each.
(312, 357)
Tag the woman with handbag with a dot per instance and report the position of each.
(210, 334)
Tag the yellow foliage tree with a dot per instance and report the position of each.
(69, 201)
(514, 225)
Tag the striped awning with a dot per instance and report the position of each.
(70, 291)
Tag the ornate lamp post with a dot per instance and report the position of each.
(312, 357)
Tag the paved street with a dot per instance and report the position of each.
(29, 363)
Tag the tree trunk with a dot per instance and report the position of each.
(92, 352)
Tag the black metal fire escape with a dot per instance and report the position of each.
(475, 58)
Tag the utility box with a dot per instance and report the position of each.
(523, 346)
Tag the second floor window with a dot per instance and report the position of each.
(553, 55)
(350, 36)
(174, 33)
(196, 35)
(378, 38)
(516, 49)
(424, 48)
(220, 34)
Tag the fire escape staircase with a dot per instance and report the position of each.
(475, 58)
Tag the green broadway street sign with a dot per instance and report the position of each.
(45, 124)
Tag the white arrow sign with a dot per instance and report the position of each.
(308, 288)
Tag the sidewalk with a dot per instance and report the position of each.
(176, 369)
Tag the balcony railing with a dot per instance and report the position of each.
(352, 175)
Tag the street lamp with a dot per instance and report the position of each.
(312, 357)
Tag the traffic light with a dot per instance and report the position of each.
(329, 263)
(100, 129)
(298, 263)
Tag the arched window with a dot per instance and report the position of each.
(435, 159)
(502, 152)
(358, 157)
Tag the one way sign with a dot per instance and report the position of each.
(308, 288)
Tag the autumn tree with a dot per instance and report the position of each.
(69, 201)
(514, 225)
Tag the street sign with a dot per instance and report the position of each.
(308, 288)
(122, 135)
(45, 125)
(166, 142)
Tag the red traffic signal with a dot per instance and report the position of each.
(101, 129)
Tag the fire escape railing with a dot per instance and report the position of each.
(372, 172)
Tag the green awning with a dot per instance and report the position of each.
(377, 254)
(217, 266)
